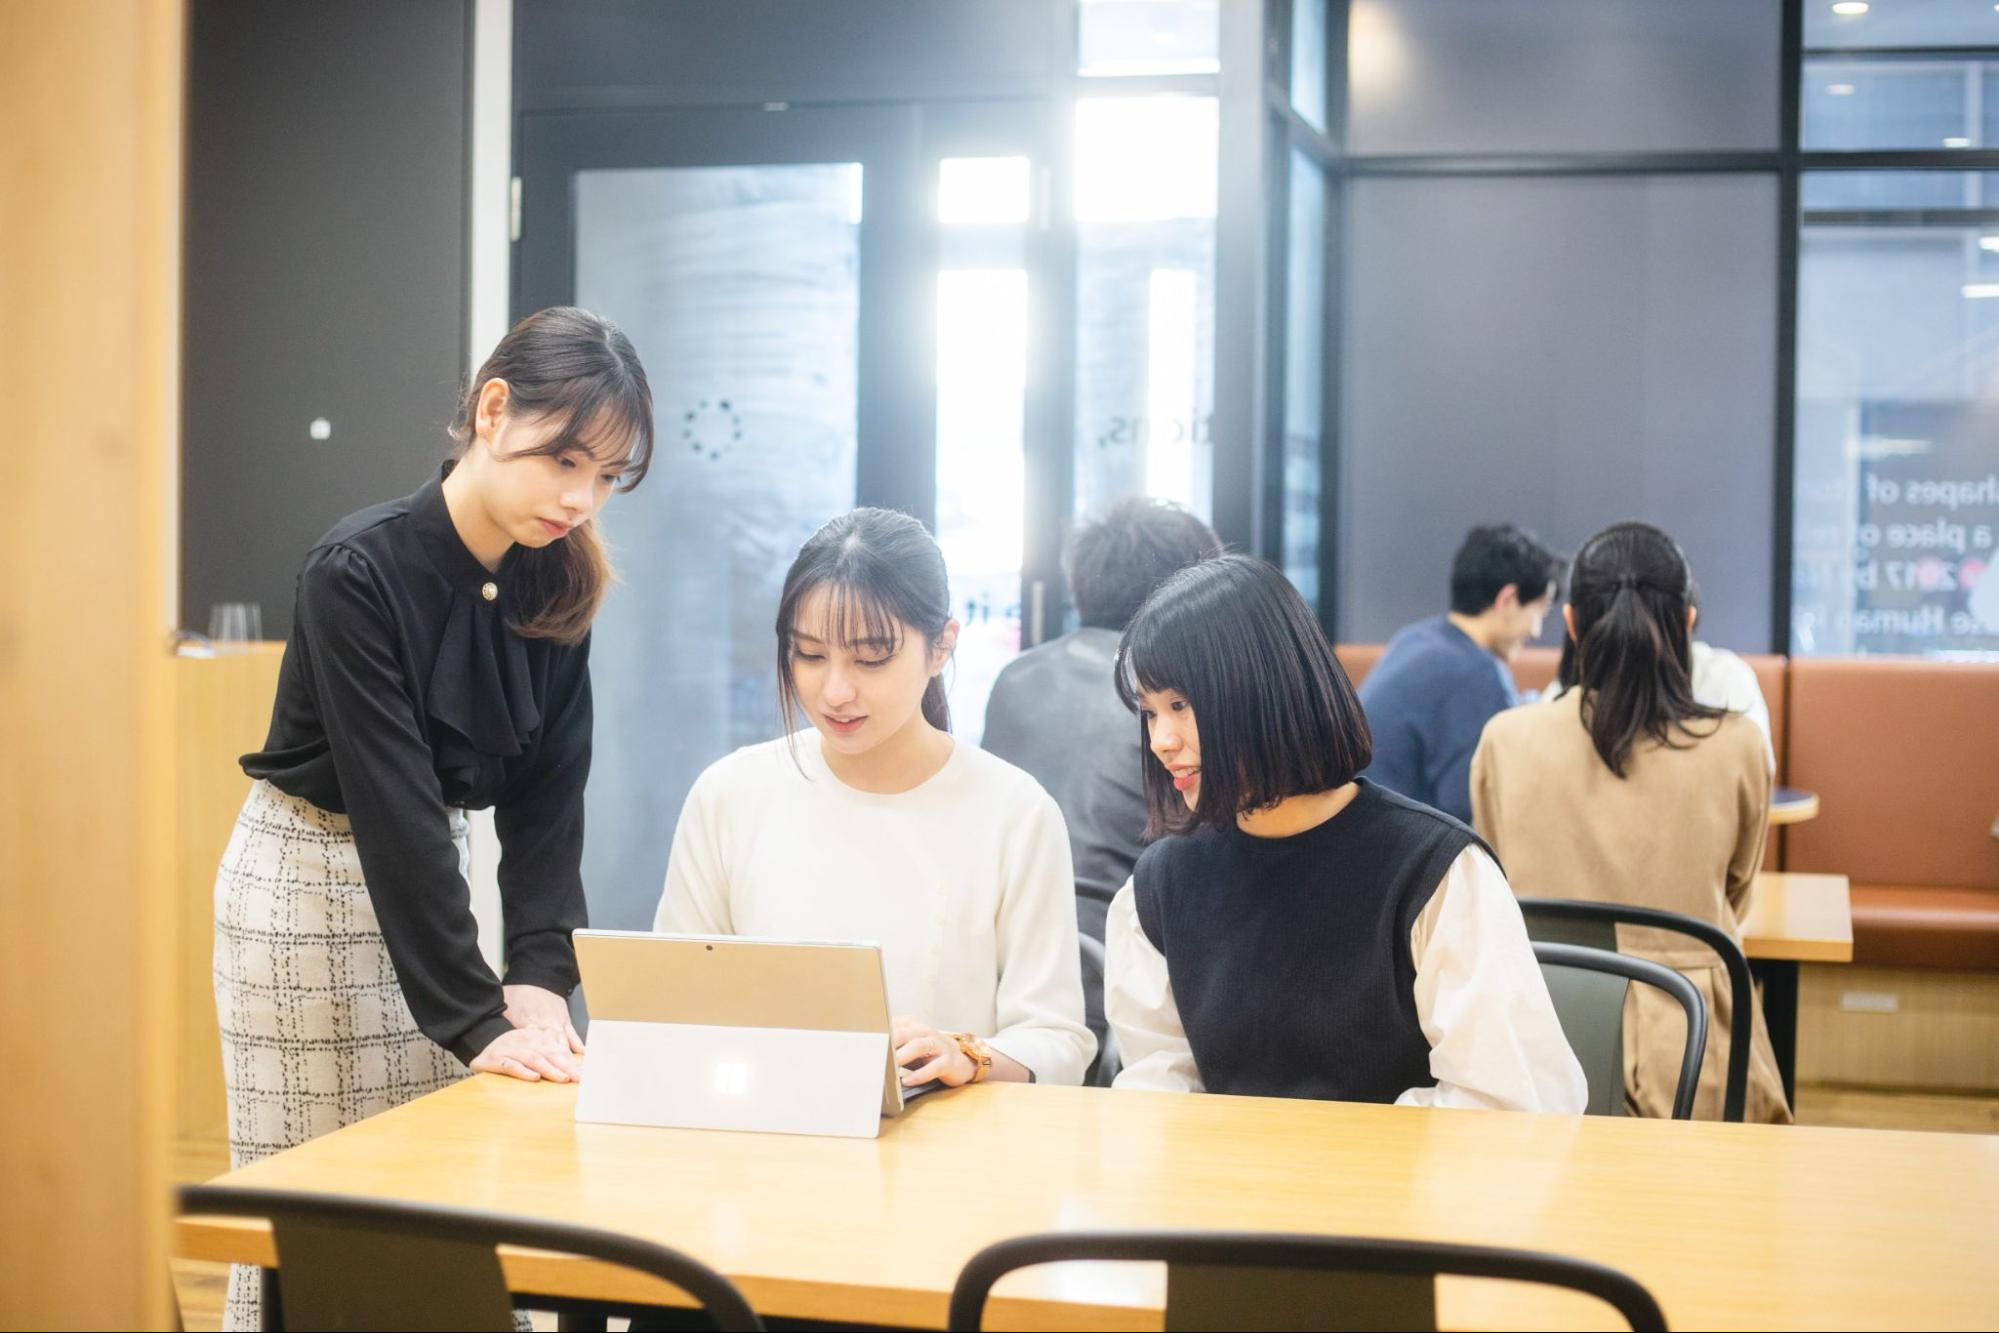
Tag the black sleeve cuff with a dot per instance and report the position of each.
(533, 974)
(545, 958)
(479, 1037)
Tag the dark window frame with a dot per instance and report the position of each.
(1260, 127)
(1789, 162)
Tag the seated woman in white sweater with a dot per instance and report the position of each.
(874, 824)
(1298, 931)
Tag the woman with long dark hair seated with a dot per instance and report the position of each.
(874, 824)
(1295, 931)
(1625, 789)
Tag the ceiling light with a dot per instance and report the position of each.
(1957, 141)
(1988, 243)
(1980, 291)
(1844, 89)
(1850, 8)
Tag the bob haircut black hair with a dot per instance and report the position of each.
(884, 571)
(1277, 715)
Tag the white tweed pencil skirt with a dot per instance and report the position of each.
(315, 1031)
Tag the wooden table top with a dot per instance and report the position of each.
(1793, 805)
(1800, 918)
(1730, 1226)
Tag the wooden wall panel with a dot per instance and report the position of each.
(1898, 1028)
(90, 96)
(326, 232)
(224, 712)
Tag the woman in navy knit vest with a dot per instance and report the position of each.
(1294, 931)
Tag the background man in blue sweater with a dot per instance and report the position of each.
(1429, 697)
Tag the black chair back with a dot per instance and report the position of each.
(1588, 988)
(1573, 921)
(360, 1263)
(1104, 1069)
(1250, 1280)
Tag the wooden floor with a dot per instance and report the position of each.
(201, 1286)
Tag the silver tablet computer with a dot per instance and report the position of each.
(738, 1017)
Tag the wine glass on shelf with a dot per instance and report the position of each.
(233, 626)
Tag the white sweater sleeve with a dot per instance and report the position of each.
(695, 900)
(1138, 1005)
(1038, 1005)
(1494, 1039)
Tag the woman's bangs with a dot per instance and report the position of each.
(1152, 661)
(598, 421)
(857, 620)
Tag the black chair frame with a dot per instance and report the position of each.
(1273, 1250)
(294, 1214)
(1741, 985)
(1651, 974)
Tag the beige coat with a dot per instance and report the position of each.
(1682, 830)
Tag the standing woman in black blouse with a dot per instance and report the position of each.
(439, 663)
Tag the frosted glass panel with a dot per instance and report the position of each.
(984, 190)
(981, 392)
(1860, 104)
(1308, 60)
(739, 286)
(1145, 294)
(1897, 476)
(1903, 23)
(1128, 37)
(982, 352)
(1146, 159)
(1850, 191)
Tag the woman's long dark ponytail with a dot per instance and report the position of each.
(1632, 652)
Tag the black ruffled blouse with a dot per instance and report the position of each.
(403, 693)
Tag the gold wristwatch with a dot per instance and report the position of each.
(980, 1054)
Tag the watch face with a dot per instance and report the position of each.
(977, 1052)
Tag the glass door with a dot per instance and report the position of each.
(835, 306)
(734, 247)
(997, 298)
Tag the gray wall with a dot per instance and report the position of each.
(1567, 315)
(1563, 353)
(1563, 76)
(642, 53)
(325, 276)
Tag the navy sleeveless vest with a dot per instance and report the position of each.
(1289, 957)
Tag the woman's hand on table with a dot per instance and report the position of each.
(538, 1007)
(531, 1053)
(544, 1043)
